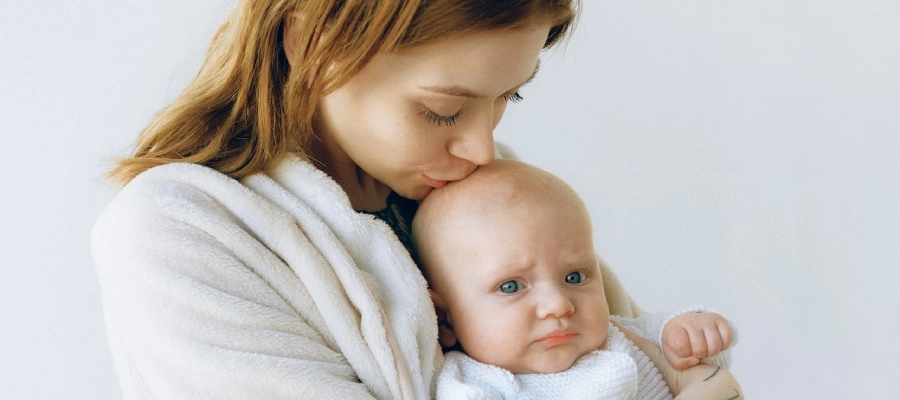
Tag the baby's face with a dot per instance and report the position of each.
(522, 286)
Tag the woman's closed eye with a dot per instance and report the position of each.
(438, 119)
(450, 120)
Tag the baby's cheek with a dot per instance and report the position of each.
(599, 330)
(489, 339)
(600, 338)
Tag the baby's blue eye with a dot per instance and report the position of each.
(574, 278)
(509, 287)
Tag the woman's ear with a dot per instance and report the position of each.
(446, 335)
(289, 36)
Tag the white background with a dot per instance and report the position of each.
(737, 154)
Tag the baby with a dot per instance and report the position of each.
(509, 256)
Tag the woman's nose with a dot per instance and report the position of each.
(554, 303)
(474, 142)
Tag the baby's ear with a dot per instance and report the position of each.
(446, 335)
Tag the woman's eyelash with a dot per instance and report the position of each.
(515, 97)
(440, 120)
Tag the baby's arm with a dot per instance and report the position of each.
(687, 337)
(699, 382)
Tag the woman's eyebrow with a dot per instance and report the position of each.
(460, 91)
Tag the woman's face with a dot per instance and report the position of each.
(419, 117)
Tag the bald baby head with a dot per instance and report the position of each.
(502, 191)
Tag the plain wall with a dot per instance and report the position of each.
(741, 155)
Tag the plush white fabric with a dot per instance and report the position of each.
(619, 372)
(267, 288)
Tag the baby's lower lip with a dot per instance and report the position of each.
(554, 340)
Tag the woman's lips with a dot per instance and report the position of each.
(437, 184)
(557, 337)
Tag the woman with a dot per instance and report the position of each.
(256, 249)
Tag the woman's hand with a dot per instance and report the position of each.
(708, 382)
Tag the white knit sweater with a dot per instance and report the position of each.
(619, 371)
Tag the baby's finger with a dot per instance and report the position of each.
(726, 333)
(714, 343)
(698, 344)
(679, 363)
(678, 341)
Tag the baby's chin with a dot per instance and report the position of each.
(554, 368)
(559, 360)
(540, 359)
(549, 364)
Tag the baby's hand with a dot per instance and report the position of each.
(690, 337)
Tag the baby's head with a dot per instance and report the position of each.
(509, 256)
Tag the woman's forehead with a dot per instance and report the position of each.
(485, 64)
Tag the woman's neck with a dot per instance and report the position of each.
(365, 192)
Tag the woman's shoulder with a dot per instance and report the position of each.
(196, 195)
(169, 198)
(176, 178)
(169, 187)
(179, 217)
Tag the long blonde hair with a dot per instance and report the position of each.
(247, 105)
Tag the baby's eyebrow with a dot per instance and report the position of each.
(511, 270)
(461, 91)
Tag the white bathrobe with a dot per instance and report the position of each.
(267, 288)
